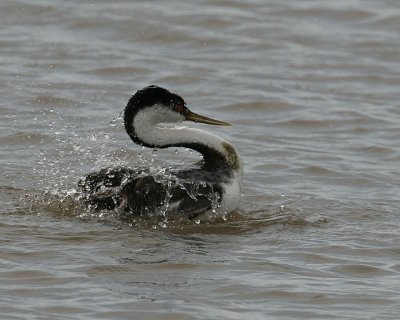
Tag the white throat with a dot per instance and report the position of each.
(151, 126)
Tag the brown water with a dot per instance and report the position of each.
(312, 88)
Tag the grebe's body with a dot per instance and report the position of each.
(213, 184)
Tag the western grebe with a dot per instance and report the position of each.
(211, 185)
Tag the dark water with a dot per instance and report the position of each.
(312, 88)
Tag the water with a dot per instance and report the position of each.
(312, 89)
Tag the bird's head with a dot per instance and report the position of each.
(164, 106)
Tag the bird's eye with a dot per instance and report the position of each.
(180, 107)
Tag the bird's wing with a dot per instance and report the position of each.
(101, 190)
(137, 194)
(193, 199)
(146, 196)
(106, 178)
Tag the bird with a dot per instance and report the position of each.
(212, 186)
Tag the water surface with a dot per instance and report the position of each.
(312, 89)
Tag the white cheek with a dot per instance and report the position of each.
(151, 124)
(158, 114)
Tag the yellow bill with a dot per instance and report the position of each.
(191, 116)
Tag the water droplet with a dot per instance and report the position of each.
(162, 224)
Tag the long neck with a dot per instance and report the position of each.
(147, 131)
